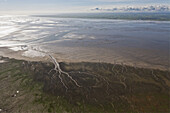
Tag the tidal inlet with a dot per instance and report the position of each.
(89, 56)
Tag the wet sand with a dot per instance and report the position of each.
(134, 43)
(80, 55)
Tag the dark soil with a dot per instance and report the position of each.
(105, 88)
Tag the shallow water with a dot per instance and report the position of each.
(140, 43)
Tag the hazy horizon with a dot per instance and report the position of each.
(73, 6)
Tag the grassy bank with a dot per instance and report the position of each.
(105, 88)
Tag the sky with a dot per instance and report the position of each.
(60, 6)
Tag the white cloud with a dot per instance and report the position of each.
(150, 8)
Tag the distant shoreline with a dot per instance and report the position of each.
(113, 16)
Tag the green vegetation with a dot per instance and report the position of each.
(105, 88)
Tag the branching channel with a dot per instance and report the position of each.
(61, 72)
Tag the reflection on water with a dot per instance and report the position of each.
(144, 43)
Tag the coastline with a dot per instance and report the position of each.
(7, 52)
